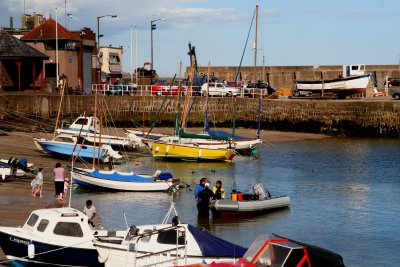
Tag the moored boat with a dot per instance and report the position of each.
(164, 245)
(277, 251)
(58, 237)
(190, 152)
(89, 128)
(66, 145)
(125, 181)
(259, 201)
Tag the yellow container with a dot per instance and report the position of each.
(234, 197)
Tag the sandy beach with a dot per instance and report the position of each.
(15, 193)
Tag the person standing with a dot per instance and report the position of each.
(59, 181)
(90, 211)
(199, 187)
(39, 182)
(218, 190)
(203, 206)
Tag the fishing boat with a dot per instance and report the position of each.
(274, 250)
(259, 201)
(57, 237)
(66, 145)
(189, 152)
(353, 81)
(89, 128)
(164, 245)
(125, 181)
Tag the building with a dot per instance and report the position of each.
(73, 52)
(110, 60)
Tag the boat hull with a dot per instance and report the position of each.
(87, 179)
(168, 151)
(63, 150)
(346, 86)
(229, 207)
(15, 249)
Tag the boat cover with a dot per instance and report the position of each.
(115, 176)
(221, 135)
(4, 165)
(212, 246)
(319, 256)
(165, 176)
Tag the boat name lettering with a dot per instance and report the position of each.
(19, 241)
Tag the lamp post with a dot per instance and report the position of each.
(153, 26)
(69, 16)
(98, 28)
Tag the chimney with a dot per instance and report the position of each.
(11, 23)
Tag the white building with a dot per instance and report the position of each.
(110, 59)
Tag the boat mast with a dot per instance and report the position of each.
(206, 125)
(255, 47)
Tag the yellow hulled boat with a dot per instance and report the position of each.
(189, 152)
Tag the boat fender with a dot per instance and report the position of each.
(31, 250)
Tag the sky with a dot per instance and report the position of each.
(290, 32)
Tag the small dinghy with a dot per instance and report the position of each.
(258, 201)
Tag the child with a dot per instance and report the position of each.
(66, 184)
(90, 211)
(34, 186)
(39, 183)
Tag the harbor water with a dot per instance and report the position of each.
(345, 196)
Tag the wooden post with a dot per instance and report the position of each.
(19, 74)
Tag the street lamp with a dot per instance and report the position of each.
(153, 26)
(69, 16)
(98, 28)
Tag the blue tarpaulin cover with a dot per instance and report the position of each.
(224, 135)
(121, 177)
(212, 246)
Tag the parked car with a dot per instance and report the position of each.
(396, 94)
(121, 88)
(164, 88)
(254, 89)
(393, 82)
(219, 89)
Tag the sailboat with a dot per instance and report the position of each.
(173, 148)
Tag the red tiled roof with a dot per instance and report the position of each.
(47, 31)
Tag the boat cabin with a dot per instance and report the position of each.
(84, 124)
(66, 225)
(353, 70)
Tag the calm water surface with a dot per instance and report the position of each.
(345, 197)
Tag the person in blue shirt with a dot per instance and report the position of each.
(199, 187)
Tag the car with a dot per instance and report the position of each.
(254, 89)
(121, 88)
(396, 94)
(164, 88)
(393, 82)
(219, 89)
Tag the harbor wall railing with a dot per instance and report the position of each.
(355, 117)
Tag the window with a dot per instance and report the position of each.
(169, 237)
(43, 225)
(114, 59)
(32, 220)
(354, 67)
(68, 229)
(146, 239)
